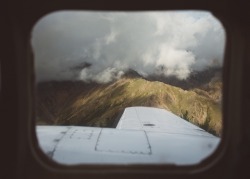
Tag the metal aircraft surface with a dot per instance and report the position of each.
(143, 135)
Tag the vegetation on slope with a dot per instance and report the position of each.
(101, 104)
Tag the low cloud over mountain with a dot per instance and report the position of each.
(102, 46)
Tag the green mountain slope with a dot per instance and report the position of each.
(99, 105)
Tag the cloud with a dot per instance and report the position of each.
(105, 76)
(169, 43)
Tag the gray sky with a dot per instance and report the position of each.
(171, 43)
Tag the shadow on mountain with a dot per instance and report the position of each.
(100, 105)
(195, 80)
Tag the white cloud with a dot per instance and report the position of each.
(113, 42)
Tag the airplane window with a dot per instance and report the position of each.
(128, 87)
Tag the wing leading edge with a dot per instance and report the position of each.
(143, 135)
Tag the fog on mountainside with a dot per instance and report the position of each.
(102, 46)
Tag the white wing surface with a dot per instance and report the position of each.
(144, 135)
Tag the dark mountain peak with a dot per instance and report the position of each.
(132, 74)
(197, 79)
(81, 66)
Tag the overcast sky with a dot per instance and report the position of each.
(168, 43)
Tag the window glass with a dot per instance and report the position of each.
(128, 87)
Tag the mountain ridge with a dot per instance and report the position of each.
(92, 104)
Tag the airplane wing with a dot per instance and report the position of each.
(144, 135)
